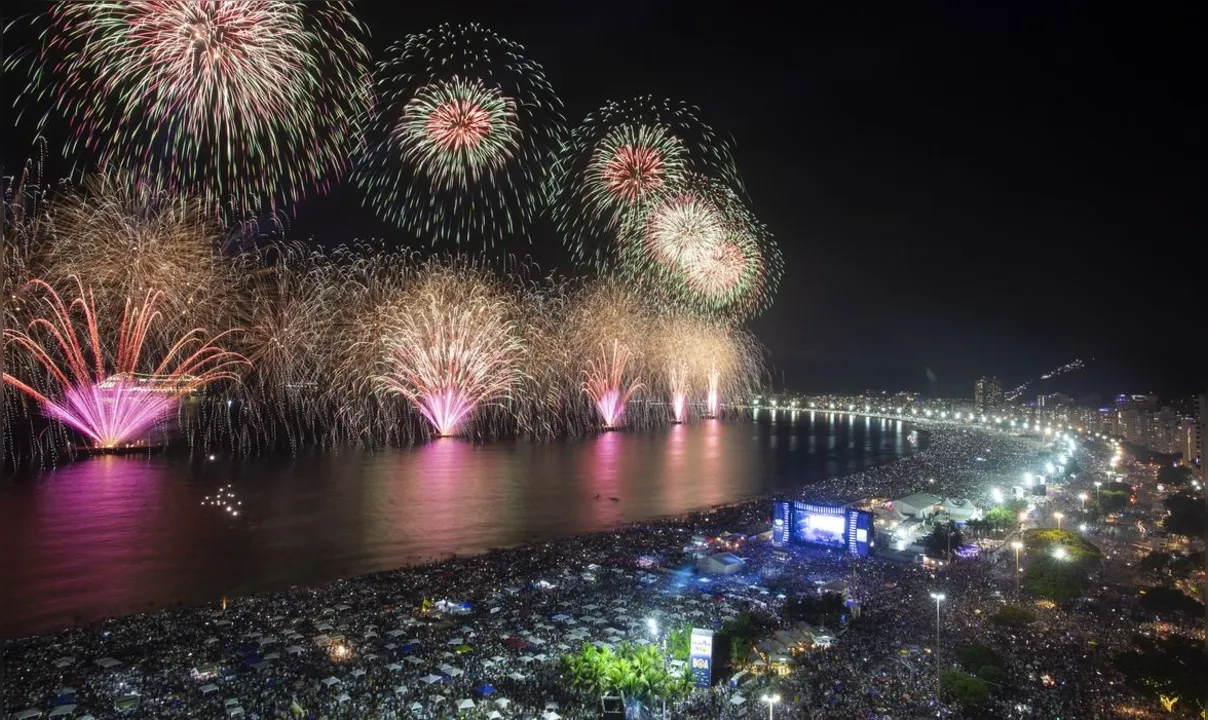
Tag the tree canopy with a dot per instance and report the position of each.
(966, 690)
(944, 539)
(1188, 515)
(638, 671)
(1013, 616)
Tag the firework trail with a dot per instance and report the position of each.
(455, 347)
(609, 383)
(698, 248)
(696, 355)
(123, 239)
(112, 406)
(713, 399)
(460, 137)
(619, 160)
(241, 102)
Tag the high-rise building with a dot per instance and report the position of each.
(987, 394)
(1201, 432)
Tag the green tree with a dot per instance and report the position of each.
(1057, 580)
(1187, 515)
(1169, 602)
(1014, 506)
(679, 643)
(1013, 616)
(968, 691)
(944, 539)
(1174, 476)
(1156, 563)
(1171, 667)
(1113, 496)
(1000, 518)
(981, 661)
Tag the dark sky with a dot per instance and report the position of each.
(964, 190)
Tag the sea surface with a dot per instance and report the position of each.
(114, 535)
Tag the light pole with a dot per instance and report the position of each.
(1016, 546)
(653, 625)
(1058, 516)
(1098, 500)
(771, 700)
(938, 598)
(1082, 499)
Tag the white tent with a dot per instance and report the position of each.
(26, 714)
(416, 707)
(329, 681)
(551, 715)
(429, 679)
(107, 662)
(343, 698)
(516, 676)
(358, 672)
(494, 715)
(209, 688)
(737, 700)
(62, 710)
(503, 702)
(466, 704)
(400, 689)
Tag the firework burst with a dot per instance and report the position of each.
(699, 248)
(455, 347)
(610, 383)
(112, 395)
(242, 102)
(124, 239)
(460, 136)
(619, 160)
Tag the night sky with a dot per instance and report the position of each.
(956, 193)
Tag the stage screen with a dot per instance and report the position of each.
(828, 525)
(821, 529)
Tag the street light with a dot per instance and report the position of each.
(653, 626)
(1058, 516)
(771, 700)
(1098, 485)
(1082, 499)
(1016, 546)
(938, 598)
(1060, 553)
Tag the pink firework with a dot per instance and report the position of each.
(113, 406)
(713, 402)
(607, 385)
(459, 125)
(679, 394)
(453, 347)
(633, 172)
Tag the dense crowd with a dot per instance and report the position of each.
(481, 637)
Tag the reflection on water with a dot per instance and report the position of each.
(113, 535)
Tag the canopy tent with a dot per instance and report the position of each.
(465, 704)
(429, 679)
(62, 710)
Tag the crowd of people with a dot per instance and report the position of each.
(482, 637)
